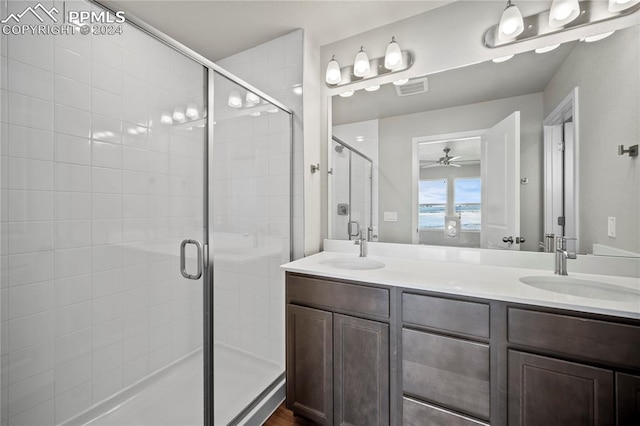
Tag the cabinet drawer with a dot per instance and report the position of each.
(457, 316)
(337, 296)
(587, 338)
(447, 371)
(416, 413)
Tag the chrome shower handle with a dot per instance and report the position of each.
(183, 267)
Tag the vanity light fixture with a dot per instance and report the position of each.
(333, 74)
(503, 58)
(564, 15)
(364, 68)
(511, 23)
(393, 56)
(597, 37)
(347, 93)
(619, 5)
(234, 101)
(372, 88)
(165, 118)
(252, 98)
(401, 82)
(361, 65)
(192, 110)
(178, 114)
(547, 48)
(563, 12)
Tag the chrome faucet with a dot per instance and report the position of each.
(362, 242)
(562, 254)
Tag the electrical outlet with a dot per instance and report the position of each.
(390, 216)
(611, 227)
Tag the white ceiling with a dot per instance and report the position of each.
(468, 150)
(217, 29)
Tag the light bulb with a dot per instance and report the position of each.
(178, 114)
(393, 57)
(235, 101)
(165, 118)
(361, 67)
(511, 23)
(252, 98)
(347, 93)
(597, 37)
(502, 58)
(547, 48)
(562, 12)
(333, 75)
(192, 110)
(620, 5)
(372, 88)
(401, 81)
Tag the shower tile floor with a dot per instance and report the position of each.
(175, 398)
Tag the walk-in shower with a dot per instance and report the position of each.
(115, 149)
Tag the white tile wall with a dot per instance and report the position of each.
(91, 296)
(251, 199)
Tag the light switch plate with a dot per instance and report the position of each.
(390, 216)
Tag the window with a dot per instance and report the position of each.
(432, 204)
(467, 198)
(448, 197)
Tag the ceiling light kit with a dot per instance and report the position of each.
(563, 15)
(394, 60)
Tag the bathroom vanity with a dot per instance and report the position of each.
(420, 342)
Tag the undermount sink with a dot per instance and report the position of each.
(582, 288)
(357, 263)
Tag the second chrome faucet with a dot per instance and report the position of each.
(562, 254)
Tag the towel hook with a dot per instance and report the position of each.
(632, 150)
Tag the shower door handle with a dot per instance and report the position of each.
(183, 267)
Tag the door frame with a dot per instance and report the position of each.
(565, 110)
(415, 170)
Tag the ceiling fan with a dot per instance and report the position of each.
(444, 161)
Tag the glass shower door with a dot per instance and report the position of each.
(360, 193)
(250, 230)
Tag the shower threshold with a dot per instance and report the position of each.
(174, 395)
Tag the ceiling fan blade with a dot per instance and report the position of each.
(427, 166)
(455, 158)
(455, 165)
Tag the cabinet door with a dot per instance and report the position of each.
(628, 399)
(550, 392)
(361, 371)
(309, 363)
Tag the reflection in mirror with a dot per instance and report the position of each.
(568, 109)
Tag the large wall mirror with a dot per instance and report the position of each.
(498, 155)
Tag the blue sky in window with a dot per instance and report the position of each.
(433, 192)
(467, 190)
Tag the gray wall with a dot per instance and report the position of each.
(396, 135)
(607, 74)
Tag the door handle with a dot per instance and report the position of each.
(507, 240)
(183, 267)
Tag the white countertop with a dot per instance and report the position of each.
(476, 280)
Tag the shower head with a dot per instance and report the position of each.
(338, 148)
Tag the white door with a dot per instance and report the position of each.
(500, 172)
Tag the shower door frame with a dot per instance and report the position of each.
(211, 68)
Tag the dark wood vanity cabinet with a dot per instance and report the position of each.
(338, 351)
(548, 391)
(360, 354)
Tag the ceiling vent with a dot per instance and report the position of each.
(413, 87)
